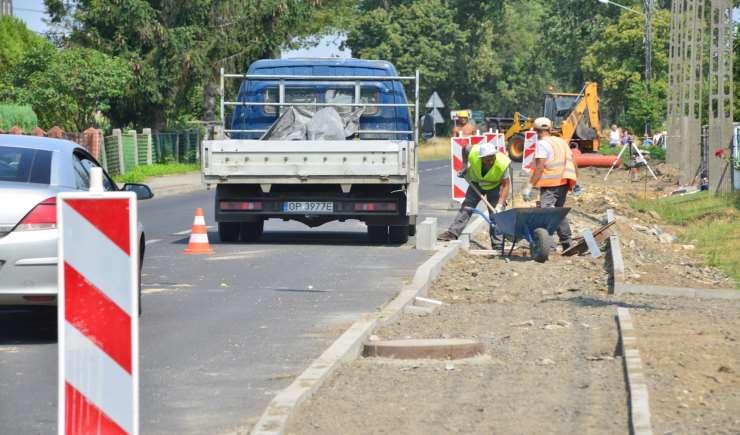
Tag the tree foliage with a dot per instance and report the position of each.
(15, 41)
(617, 60)
(68, 87)
(501, 56)
(176, 48)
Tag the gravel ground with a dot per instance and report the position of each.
(691, 353)
(551, 339)
(550, 365)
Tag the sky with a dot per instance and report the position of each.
(32, 12)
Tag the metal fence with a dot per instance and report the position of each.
(123, 151)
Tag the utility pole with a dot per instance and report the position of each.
(648, 50)
(648, 41)
(6, 8)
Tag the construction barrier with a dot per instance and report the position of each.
(498, 140)
(459, 185)
(530, 143)
(98, 312)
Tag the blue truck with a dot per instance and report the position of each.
(316, 140)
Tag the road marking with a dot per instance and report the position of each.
(434, 168)
(184, 232)
(235, 256)
(152, 241)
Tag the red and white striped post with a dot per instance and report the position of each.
(530, 143)
(98, 312)
(459, 185)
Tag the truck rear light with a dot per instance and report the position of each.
(41, 217)
(241, 205)
(375, 206)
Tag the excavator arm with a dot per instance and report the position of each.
(574, 125)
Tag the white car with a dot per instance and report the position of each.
(33, 170)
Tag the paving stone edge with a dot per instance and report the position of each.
(636, 387)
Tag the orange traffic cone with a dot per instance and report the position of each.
(198, 243)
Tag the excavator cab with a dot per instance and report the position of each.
(575, 117)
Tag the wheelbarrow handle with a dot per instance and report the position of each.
(479, 213)
(483, 198)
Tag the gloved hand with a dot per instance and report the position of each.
(527, 192)
(462, 172)
(499, 208)
(577, 190)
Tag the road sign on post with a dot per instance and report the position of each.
(98, 312)
(435, 102)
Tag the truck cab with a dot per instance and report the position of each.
(368, 174)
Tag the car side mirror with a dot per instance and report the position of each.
(142, 191)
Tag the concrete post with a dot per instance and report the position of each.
(426, 234)
(119, 145)
(148, 133)
(132, 133)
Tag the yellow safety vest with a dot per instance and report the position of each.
(559, 169)
(494, 176)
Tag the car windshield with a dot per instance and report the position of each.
(25, 165)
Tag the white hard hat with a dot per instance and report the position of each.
(542, 123)
(486, 149)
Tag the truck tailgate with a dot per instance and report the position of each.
(306, 160)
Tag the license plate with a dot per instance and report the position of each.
(308, 207)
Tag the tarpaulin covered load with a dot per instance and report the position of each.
(326, 124)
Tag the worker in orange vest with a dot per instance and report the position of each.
(555, 174)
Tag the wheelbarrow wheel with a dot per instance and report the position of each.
(541, 246)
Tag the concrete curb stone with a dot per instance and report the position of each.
(636, 386)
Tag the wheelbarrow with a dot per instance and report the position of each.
(535, 225)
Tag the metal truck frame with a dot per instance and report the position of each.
(375, 180)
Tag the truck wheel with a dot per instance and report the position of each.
(412, 230)
(398, 233)
(228, 231)
(251, 231)
(541, 246)
(377, 233)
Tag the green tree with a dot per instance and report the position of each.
(646, 106)
(616, 62)
(420, 35)
(485, 55)
(16, 40)
(67, 87)
(176, 48)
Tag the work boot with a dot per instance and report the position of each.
(447, 236)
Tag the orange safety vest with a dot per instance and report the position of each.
(559, 169)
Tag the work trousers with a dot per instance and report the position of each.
(555, 197)
(471, 200)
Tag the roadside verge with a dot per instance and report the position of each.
(619, 286)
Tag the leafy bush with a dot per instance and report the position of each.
(22, 116)
(657, 153)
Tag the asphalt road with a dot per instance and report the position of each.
(221, 334)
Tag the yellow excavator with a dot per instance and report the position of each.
(575, 118)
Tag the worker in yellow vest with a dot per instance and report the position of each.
(488, 171)
(555, 174)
